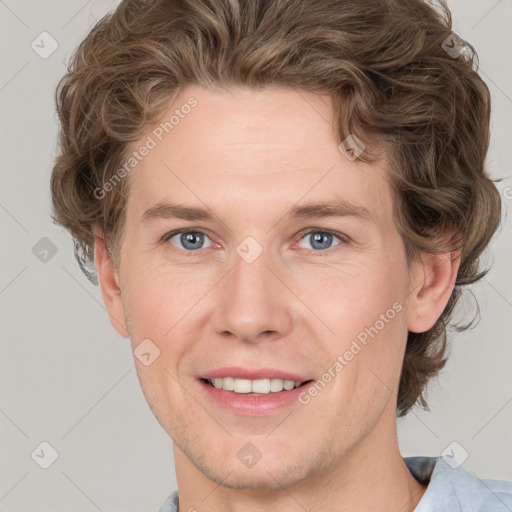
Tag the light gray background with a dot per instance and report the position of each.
(69, 379)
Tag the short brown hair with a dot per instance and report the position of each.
(383, 62)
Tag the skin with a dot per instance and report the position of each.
(250, 156)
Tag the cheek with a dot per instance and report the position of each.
(165, 305)
(340, 302)
(153, 295)
(351, 298)
(365, 310)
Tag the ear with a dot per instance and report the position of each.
(109, 284)
(433, 280)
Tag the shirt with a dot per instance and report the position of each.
(450, 488)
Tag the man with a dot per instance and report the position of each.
(274, 196)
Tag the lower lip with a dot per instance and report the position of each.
(252, 405)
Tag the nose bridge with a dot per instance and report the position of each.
(250, 268)
(251, 298)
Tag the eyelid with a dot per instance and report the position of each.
(337, 234)
(302, 234)
(172, 234)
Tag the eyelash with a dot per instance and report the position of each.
(343, 239)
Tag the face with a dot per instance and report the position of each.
(263, 288)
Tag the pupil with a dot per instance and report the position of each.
(317, 237)
(191, 238)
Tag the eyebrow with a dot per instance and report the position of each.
(337, 208)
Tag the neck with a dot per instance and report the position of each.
(370, 476)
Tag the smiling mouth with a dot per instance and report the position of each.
(257, 387)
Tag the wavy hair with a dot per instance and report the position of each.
(385, 64)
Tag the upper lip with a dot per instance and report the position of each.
(239, 372)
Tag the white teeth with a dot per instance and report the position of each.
(242, 386)
(258, 386)
(276, 385)
(261, 386)
(288, 384)
(228, 383)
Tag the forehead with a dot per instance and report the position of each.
(247, 150)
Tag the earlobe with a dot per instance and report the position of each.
(109, 284)
(431, 286)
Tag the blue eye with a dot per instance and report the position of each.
(322, 239)
(193, 241)
(190, 240)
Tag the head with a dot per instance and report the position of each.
(245, 110)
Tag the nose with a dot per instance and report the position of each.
(253, 303)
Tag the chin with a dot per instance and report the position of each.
(262, 478)
(273, 471)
